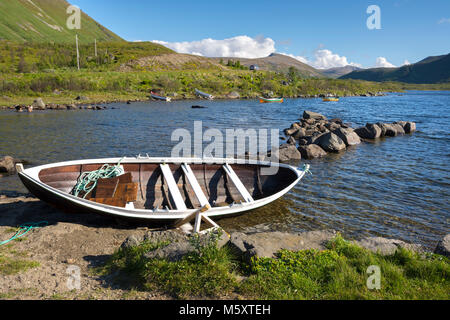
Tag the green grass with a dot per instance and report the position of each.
(336, 273)
(13, 265)
(45, 20)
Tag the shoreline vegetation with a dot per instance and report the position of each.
(100, 88)
(122, 72)
(123, 261)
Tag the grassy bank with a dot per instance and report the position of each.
(65, 86)
(336, 273)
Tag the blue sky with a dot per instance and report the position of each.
(321, 33)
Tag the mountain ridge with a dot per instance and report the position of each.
(432, 69)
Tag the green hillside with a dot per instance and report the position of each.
(45, 21)
(429, 70)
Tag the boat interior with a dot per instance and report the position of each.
(173, 186)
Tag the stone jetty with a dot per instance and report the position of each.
(315, 136)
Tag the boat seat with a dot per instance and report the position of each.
(173, 187)
(116, 191)
(238, 183)
(199, 194)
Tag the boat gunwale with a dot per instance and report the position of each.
(32, 175)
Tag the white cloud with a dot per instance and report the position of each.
(406, 62)
(444, 20)
(324, 59)
(382, 62)
(240, 46)
(299, 58)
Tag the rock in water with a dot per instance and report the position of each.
(370, 131)
(348, 135)
(330, 142)
(313, 115)
(7, 165)
(387, 130)
(39, 104)
(409, 127)
(398, 128)
(288, 152)
(443, 247)
(311, 151)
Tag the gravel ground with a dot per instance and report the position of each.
(70, 245)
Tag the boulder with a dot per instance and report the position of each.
(39, 104)
(71, 107)
(180, 244)
(233, 95)
(300, 133)
(409, 127)
(7, 165)
(267, 244)
(293, 129)
(288, 152)
(443, 246)
(387, 130)
(398, 128)
(311, 151)
(387, 246)
(313, 115)
(370, 131)
(330, 142)
(348, 135)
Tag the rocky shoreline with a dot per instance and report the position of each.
(88, 241)
(83, 102)
(315, 136)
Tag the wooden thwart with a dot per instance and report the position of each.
(238, 183)
(195, 185)
(173, 188)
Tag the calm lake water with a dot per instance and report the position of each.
(395, 187)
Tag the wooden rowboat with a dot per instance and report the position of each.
(158, 97)
(269, 100)
(331, 99)
(204, 94)
(163, 190)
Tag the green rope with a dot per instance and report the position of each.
(88, 180)
(24, 229)
(306, 169)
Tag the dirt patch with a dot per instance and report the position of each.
(70, 244)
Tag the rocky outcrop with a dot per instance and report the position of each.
(333, 135)
(267, 244)
(443, 246)
(387, 246)
(174, 244)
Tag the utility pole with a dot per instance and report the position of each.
(78, 52)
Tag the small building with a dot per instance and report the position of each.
(254, 67)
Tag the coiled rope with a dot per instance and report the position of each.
(24, 229)
(88, 180)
